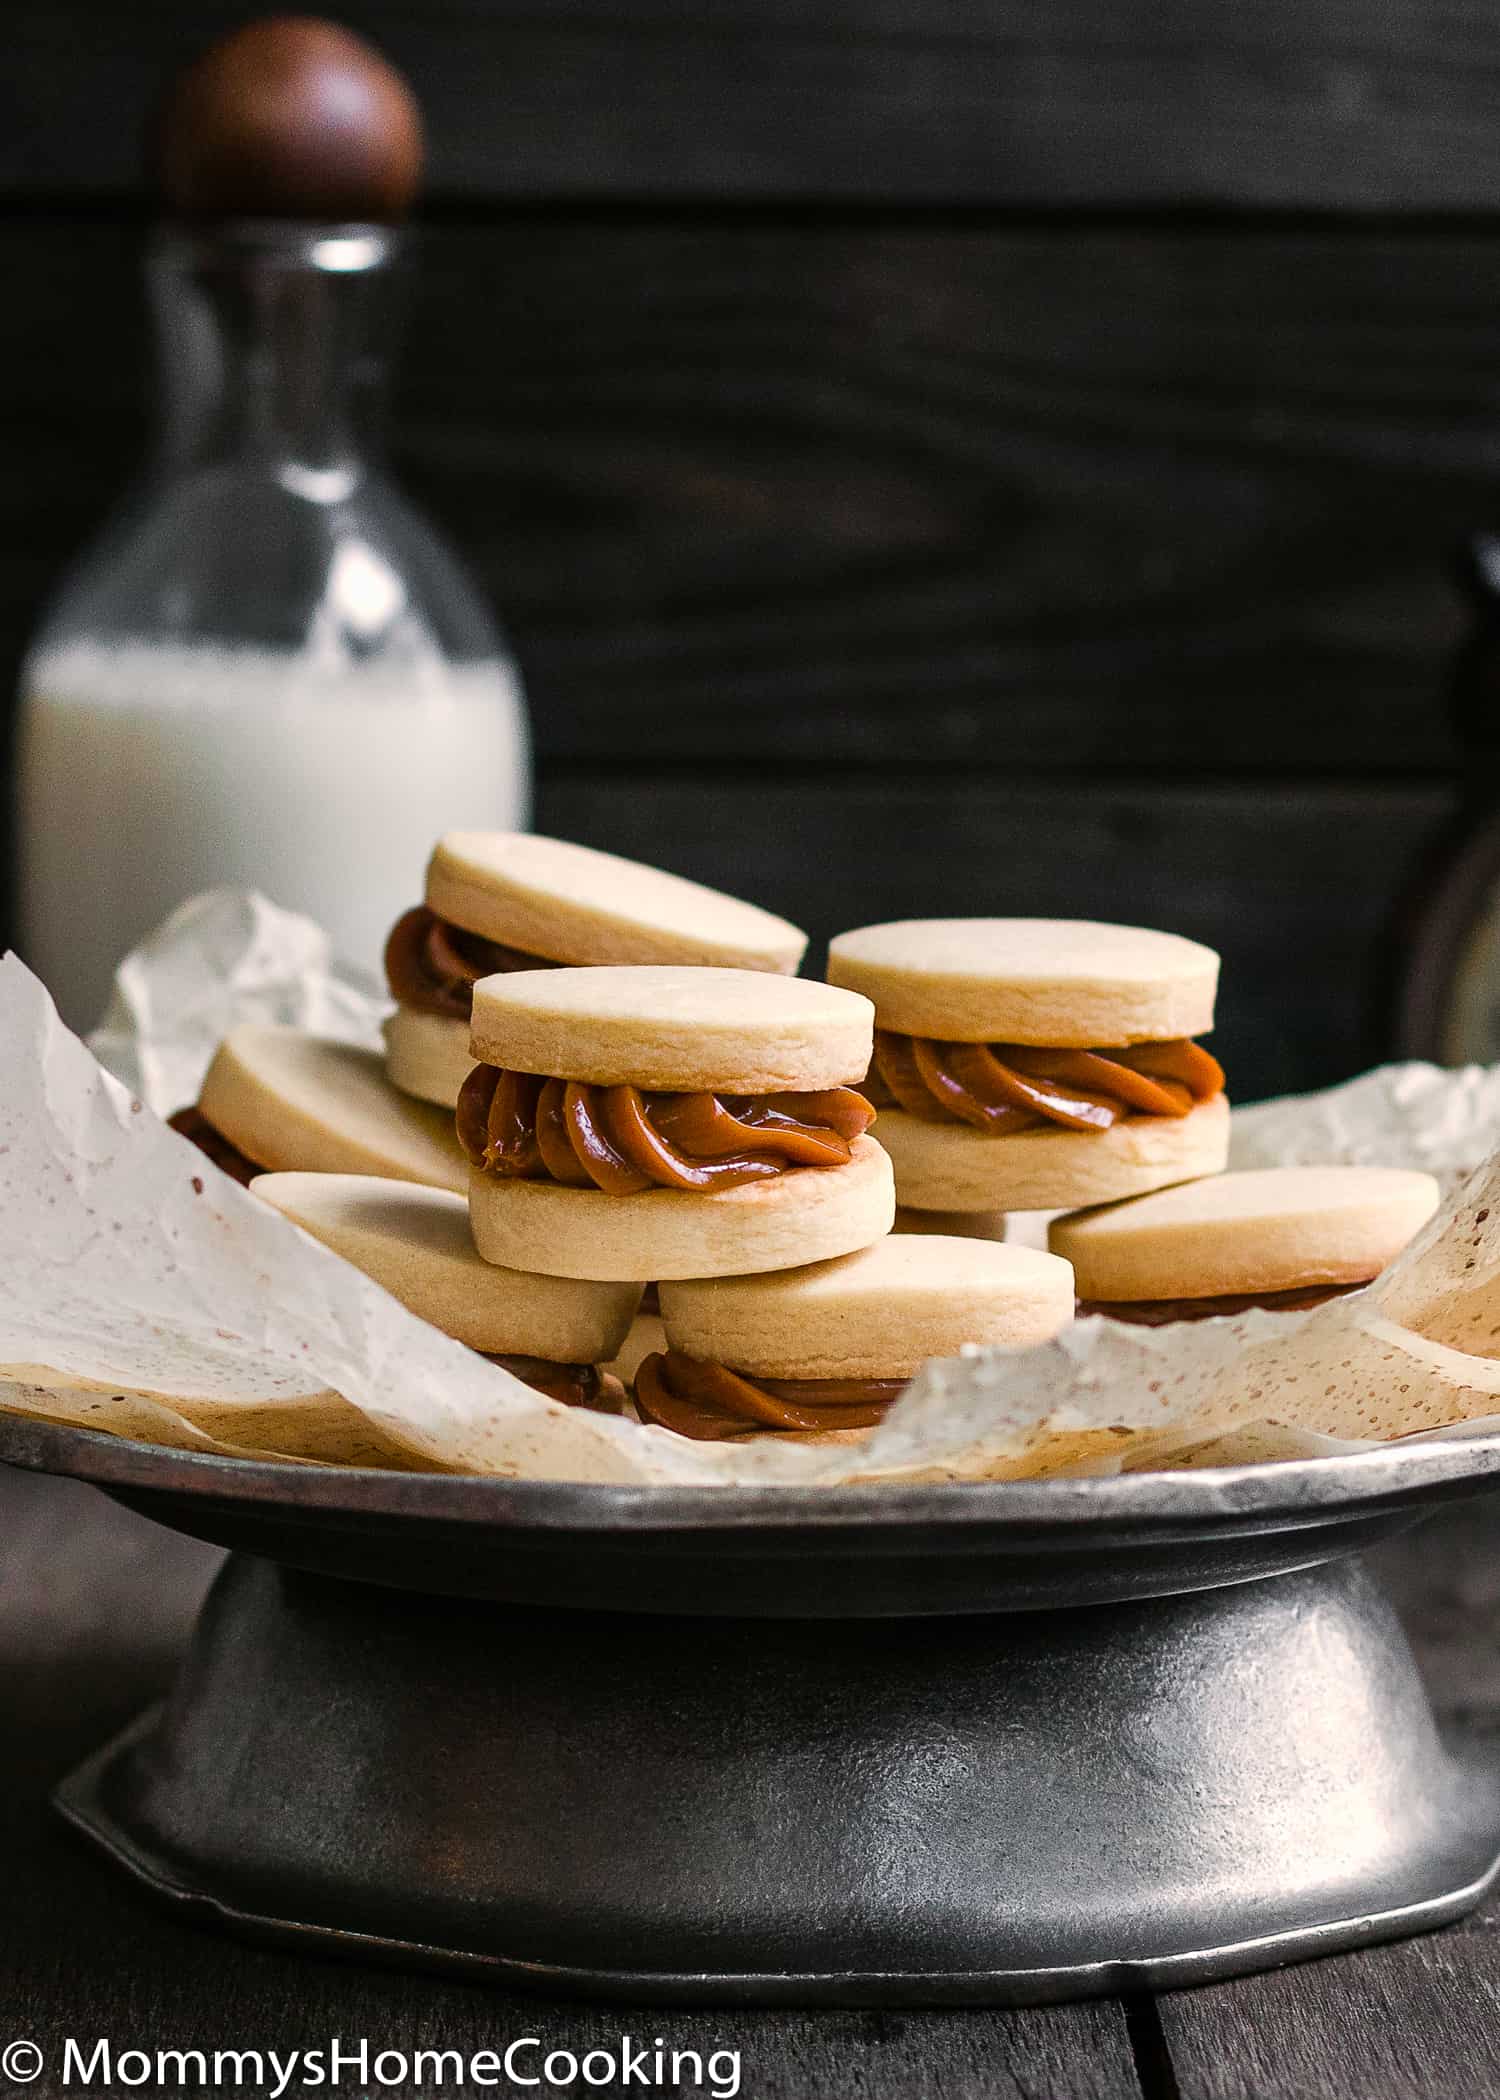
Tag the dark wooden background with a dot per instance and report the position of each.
(930, 455)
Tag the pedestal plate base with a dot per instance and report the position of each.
(987, 1810)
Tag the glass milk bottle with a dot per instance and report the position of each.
(270, 671)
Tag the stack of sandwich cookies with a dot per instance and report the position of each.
(505, 901)
(280, 1099)
(1279, 1238)
(1037, 1064)
(820, 1354)
(551, 1332)
(648, 1122)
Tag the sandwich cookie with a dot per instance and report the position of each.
(279, 1098)
(821, 1354)
(551, 1333)
(1281, 1238)
(643, 1122)
(504, 900)
(1037, 1064)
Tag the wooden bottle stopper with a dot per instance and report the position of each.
(289, 118)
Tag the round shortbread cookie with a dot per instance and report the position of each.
(806, 1215)
(949, 1166)
(575, 905)
(295, 1103)
(964, 1224)
(1273, 1229)
(427, 1055)
(880, 1313)
(679, 1030)
(416, 1244)
(1063, 983)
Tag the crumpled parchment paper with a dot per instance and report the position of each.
(148, 1294)
(222, 958)
(1412, 1115)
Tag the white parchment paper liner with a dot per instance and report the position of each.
(148, 1294)
(1446, 1123)
(222, 958)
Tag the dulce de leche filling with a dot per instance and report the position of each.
(714, 1404)
(434, 966)
(192, 1124)
(1008, 1087)
(1165, 1312)
(622, 1140)
(575, 1385)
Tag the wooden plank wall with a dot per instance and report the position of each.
(929, 457)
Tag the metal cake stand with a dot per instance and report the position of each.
(990, 1744)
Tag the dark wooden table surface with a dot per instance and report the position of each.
(94, 1607)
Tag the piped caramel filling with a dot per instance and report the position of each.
(575, 1385)
(1165, 1312)
(714, 1404)
(192, 1124)
(622, 1140)
(434, 966)
(1007, 1087)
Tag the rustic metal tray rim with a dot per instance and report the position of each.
(1292, 1491)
